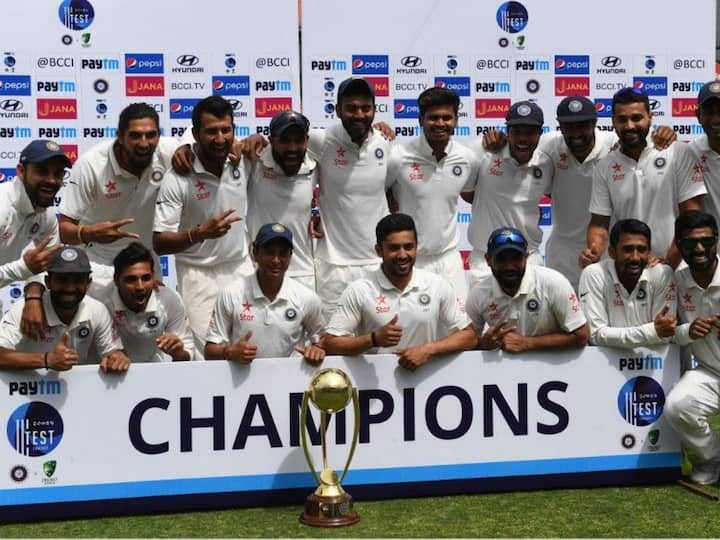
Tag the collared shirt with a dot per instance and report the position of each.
(91, 331)
(164, 313)
(427, 308)
(352, 193)
(274, 197)
(507, 195)
(427, 189)
(20, 224)
(187, 201)
(709, 164)
(544, 303)
(100, 190)
(618, 318)
(292, 317)
(649, 189)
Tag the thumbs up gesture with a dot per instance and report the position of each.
(242, 351)
(390, 334)
(62, 357)
(664, 323)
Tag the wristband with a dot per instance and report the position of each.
(33, 298)
(46, 363)
(189, 234)
(79, 234)
(373, 339)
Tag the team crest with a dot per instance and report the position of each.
(84, 332)
(641, 294)
(457, 170)
(157, 175)
(152, 321)
(236, 173)
(290, 314)
(35, 228)
(379, 153)
(537, 172)
(660, 162)
(68, 254)
(533, 305)
(424, 299)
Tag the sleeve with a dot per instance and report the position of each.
(48, 228)
(480, 158)
(451, 316)
(169, 205)
(80, 192)
(14, 271)
(600, 201)
(565, 305)
(346, 319)
(178, 323)
(220, 328)
(549, 142)
(682, 335)
(316, 141)
(105, 336)
(313, 323)
(10, 335)
(393, 168)
(187, 137)
(689, 180)
(473, 309)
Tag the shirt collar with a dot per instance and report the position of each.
(151, 169)
(346, 140)
(257, 292)
(199, 168)
(507, 157)
(616, 280)
(386, 284)
(715, 280)
(426, 151)
(268, 161)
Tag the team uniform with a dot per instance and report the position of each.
(428, 190)
(274, 197)
(544, 303)
(292, 318)
(708, 161)
(427, 309)
(618, 318)
(351, 200)
(507, 195)
(649, 189)
(164, 313)
(571, 190)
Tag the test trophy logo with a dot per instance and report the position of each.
(329, 505)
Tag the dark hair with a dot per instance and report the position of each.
(393, 223)
(217, 106)
(629, 226)
(136, 111)
(694, 219)
(133, 254)
(630, 94)
(435, 97)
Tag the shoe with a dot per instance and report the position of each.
(706, 473)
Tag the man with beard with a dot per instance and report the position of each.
(526, 307)
(150, 318)
(509, 185)
(399, 309)
(76, 324)
(697, 395)
(266, 315)
(195, 214)
(426, 176)
(706, 148)
(627, 303)
(280, 190)
(641, 182)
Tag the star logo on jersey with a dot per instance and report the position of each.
(111, 190)
(202, 192)
(200, 185)
(572, 297)
(703, 159)
(496, 168)
(618, 299)
(687, 297)
(617, 174)
(246, 315)
(340, 160)
(617, 168)
(670, 296)
(7, 235)
(380, 298)
(493, 306)
(415, 173)
(563, 163)
(381, 306)
(687, 305)
(340, 152)
(247, 306)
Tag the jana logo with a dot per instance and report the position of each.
(641, 401)
(512, 17)
(35, 429)
(76, 14)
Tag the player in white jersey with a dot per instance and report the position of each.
(628, 303)
(149, 317)
(697, 395)
(280, 190)
(426, 176)
(641, 182)
(526, 307)
(509, 185)
(707, 147)
(197, 216)
(267, 315)
(77, 325)
(399, 309)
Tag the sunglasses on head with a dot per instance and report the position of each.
(508, 238)
(688, 244)
(632, 89)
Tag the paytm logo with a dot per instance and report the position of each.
(603, 107)
(652, 86)
(572, 65)
(15, 85)
(7, 175)
(460, 85)
(406, 108)
(144, 63)
(370, 64)
(231, 86)
(182, 108)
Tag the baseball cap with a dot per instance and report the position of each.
(709, 90)
(41, 150)
(506, 238)
(524, 113)
(576, 109)
(353, 86)
(285, 119)
(70, 260)
(271, 231)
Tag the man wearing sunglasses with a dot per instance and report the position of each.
(525, 306)
(627, 303)
(697, 395)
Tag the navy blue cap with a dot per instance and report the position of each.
(576, 109)
(70, 260)
(41, 150)
(271, 231)
(506, 238)
(286, 119)
(709, 90)
(524, 113)
(355, 86)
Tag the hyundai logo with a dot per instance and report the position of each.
(654, 104)
(187, 60)
(411, 61)
(11, 105)
(611, 61)
(236, 104)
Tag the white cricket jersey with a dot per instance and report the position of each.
(187, 201)
(618, 318)
(428, 190)
(507, 195)
(274, 197)
(100, 190)
(90, 330)
(20, 224)
(164, 313)
(649, 189)
(292, 318)
(544, 303)
(352, 193)
(427, 308)
(709, 165)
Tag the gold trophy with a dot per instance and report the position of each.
(330, 505)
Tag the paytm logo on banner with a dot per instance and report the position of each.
(459, 85)
(182, 108)
(15, 85)
(572, 65)
(370, 64)
(231, 86)
(603, 107)
(144, 63)
(7, 175)
(652, 86)
(406, 108)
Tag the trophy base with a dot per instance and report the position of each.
(323, 511)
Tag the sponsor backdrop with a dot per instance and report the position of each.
(465, 424)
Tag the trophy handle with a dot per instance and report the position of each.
(303, 436)
(356, 432)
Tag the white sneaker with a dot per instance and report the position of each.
(706, 473)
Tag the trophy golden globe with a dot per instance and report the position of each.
(330, 505)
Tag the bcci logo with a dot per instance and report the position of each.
(641, 401)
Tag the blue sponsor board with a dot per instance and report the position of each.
(652, 86)
(7, 175)
(460, 85)
(572, 65)
(545, 215)
(603, 107)
(231, 86)
(144, 63)
(182, 108)
(406, 108)
(164, 266)
(370, 64)
(15, 85)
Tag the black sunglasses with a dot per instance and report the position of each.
(688, 244)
